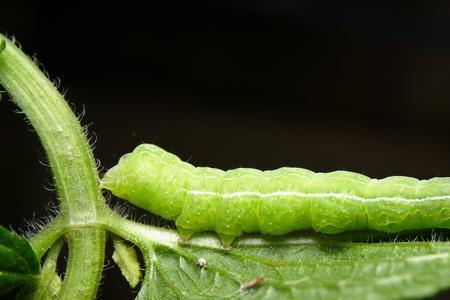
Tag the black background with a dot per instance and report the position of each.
(355, 85)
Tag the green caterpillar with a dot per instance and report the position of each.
(274, 202)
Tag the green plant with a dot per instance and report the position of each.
(307, 266)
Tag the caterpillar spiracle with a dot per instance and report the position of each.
(274, 202)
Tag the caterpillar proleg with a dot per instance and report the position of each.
(274, 202)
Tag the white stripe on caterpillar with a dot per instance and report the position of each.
(315, 195)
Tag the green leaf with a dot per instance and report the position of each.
(126, 258)
(18, 263)
(2, 45)
(293, 267)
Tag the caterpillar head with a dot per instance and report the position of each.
(144, 163)
(146, 173)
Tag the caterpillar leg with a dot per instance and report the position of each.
(185, 234)
(226, 240)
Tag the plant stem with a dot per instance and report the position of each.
(85, 249)
(144, 235)
(41, 241)
(49, 284)
(66, 146)
(71, 161)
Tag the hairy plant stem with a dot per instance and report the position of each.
(50, 283)
(41, 241)
(71, 161)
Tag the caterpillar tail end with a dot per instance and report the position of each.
(226, 240)
(185, 234)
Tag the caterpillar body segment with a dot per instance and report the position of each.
(274, 202)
